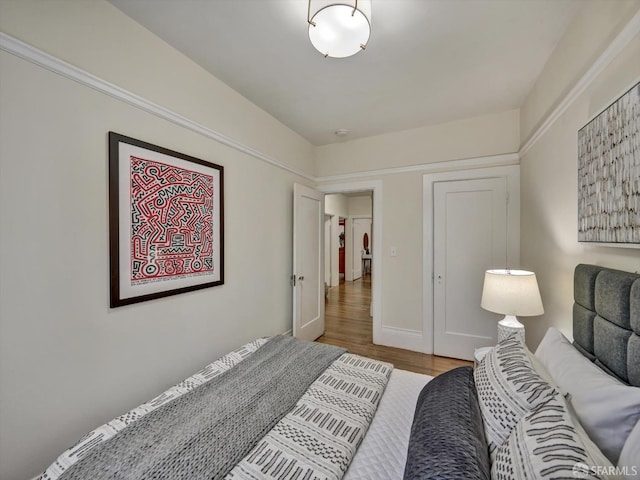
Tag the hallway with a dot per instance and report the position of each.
(348, 325)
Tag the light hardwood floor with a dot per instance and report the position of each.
(348, 325)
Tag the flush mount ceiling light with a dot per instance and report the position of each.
(339, 29)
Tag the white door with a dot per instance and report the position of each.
(470, 236)
(308, 271)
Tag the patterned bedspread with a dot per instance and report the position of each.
(315, 439)
(319, 437)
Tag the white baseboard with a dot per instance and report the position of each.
(401, 338)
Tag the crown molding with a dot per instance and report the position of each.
(53, 64)
(462, 164)
(49, 62)
(630, 30)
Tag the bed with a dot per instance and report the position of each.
(281, 408)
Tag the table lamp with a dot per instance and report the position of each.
(511, 292)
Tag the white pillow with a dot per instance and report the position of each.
(508, 388)
(592, 449)
(607, 408)
(630, 455)
(541, 369)
(547, 444)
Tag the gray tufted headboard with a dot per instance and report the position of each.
(606, 319)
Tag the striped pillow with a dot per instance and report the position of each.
(546, 444)
(508, 388)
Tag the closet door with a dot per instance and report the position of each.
(469, 237)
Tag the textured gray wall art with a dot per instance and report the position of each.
(609, 173)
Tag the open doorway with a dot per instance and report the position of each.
(374, 188)
(350, 238)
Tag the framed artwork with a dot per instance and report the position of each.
(609, 174)
(166, 222)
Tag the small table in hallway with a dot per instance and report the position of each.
(366, 262)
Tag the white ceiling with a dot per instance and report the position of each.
(427, 61)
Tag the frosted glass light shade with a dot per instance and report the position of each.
(336, 30)
(511, 292)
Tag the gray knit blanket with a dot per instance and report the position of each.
(208, 430)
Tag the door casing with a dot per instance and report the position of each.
(375, 241)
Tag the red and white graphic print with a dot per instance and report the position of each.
(171, 222)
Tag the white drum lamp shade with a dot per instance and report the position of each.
(339, 29)
(511, 293)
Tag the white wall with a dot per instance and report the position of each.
(97, 37)
(474, 137)
(549, 166)
(336, 204)
(548, 174)
(592, 31)
(423, 149)
(360, 206)
(68, 362)
(85, 363)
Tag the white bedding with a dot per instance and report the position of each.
(383, 452)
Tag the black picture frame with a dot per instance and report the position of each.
(166, 222)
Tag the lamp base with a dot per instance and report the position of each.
(508, 325)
